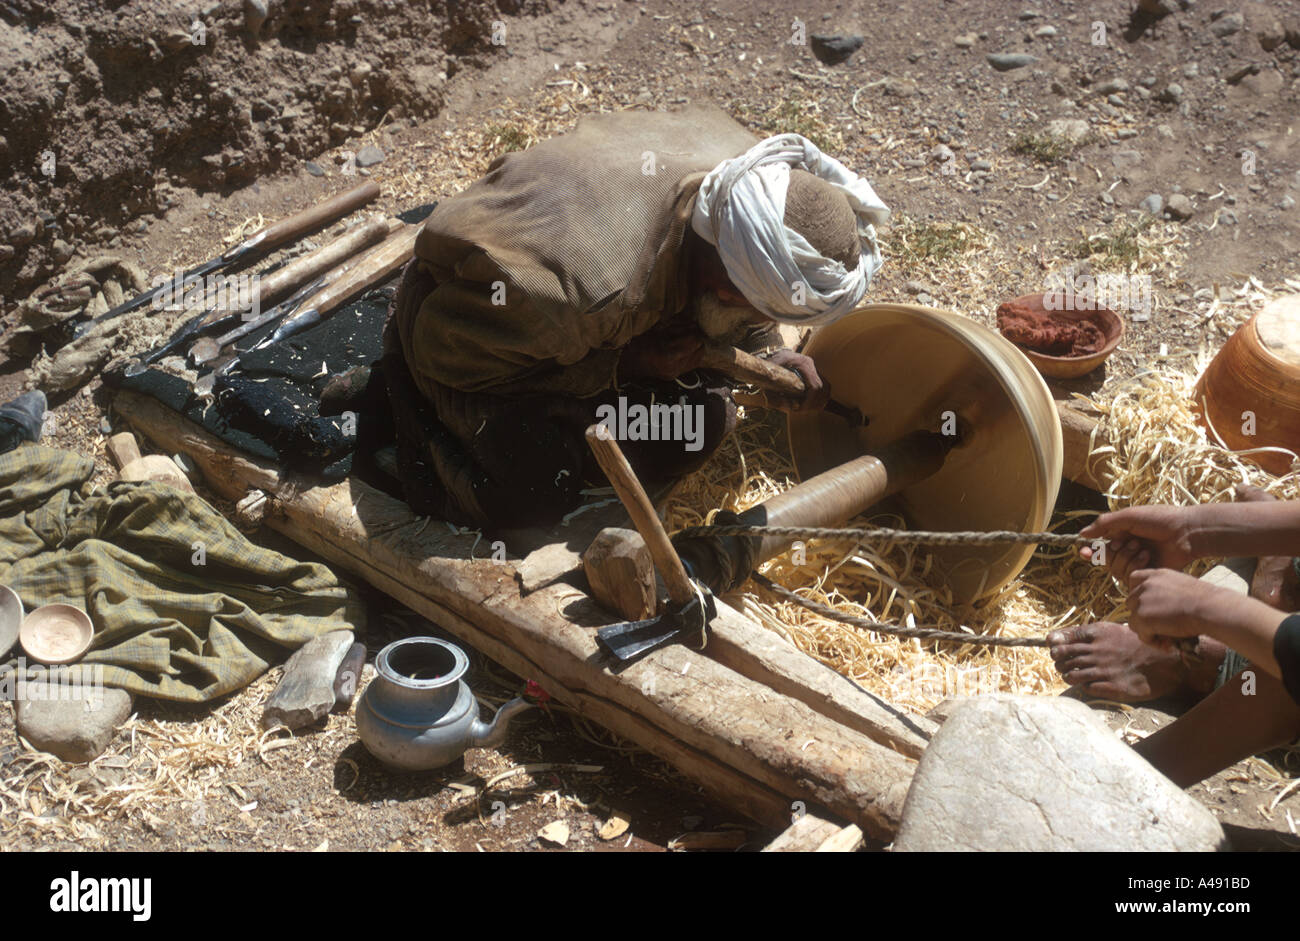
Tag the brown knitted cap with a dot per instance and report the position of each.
(822, 214)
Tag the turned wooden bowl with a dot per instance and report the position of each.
(1071, 367)
(54, 634)
(1253, 384)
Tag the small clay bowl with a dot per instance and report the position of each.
(1071, 367)
(56, 633)
(11, 618)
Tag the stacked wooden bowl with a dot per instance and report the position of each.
(1253, 385)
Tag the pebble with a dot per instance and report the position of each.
(1228, 216)
(1153, 204)
(1009, 61)
(964, 41)
(1044, 32)
(1125, 133)
(1227, 25)
(369, 155)
(1180, 207)
(1286, 202)
(1107, 199)
(941, 153)
(105, 426)
(1165, 131)
(1112, 86)
(981, 165)
(1173, 93)
(314, 169)
(1074, 130)
(833, 50)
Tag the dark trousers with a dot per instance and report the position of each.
(520, 461)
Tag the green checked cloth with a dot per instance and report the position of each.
(184, 607)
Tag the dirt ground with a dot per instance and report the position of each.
(986, 204)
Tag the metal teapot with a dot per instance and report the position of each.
(417, 713)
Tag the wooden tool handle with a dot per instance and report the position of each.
(310, 266)
(365, 270)
(749, 368)
(624, 481)
(312, 218)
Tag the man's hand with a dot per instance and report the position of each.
(661, 356)
(1144, 537)
(817, 393)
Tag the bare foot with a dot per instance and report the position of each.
(1275, 581)
(1108, 660)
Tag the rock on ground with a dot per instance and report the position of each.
(306, 691)
(1074, 130)
(833, 50)
(1179, 206)
(1036, 774)
(369, 155)
(74, 723)
(1006, 61)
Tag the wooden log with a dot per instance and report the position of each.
(621, 573)
(738, 738)
(761, 655)
(805, 835)
(847, 840)
(1080, 433)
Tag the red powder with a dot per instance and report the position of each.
(1049, 333)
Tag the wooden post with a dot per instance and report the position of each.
(624, 481)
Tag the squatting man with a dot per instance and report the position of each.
(578, 281)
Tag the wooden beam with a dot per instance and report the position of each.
(805, 835)
(675, 703)
(1081, 434)
(755, 652)
(848, 840)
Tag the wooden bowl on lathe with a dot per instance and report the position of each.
(1254, 381)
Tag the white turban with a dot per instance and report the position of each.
(741, 209)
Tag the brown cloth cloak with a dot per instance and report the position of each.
(561, 254)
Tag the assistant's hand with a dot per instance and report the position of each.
(817, 392)
(1164, 604)
(1142, 537)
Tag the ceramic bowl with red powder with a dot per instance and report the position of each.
(1063, 344)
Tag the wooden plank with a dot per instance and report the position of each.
(678, 698)
(805, 835)
(763, 656)
(848, 840)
